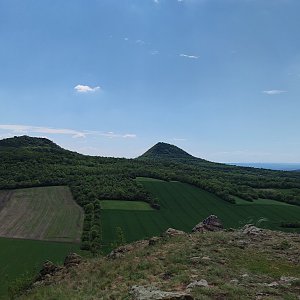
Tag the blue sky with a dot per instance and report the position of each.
(219, 78)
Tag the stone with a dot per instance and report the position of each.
(272, 284)
(119, 252)
(174, 232)
(73, 259)
(250, 229)
(207, 258)
(48, 270)
(234, 281)
(152, 293)
(288, 280)
(200, 283)
(211, 223)
(154, 240)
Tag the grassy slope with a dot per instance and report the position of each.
(125, 205)
(18, 257)
(44, 213)
(173, 263)
(183, 206)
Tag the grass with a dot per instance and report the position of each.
(174, 262)
(183, 206)
(18, 257)
(125, 205)
(43, 213)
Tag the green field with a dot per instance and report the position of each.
(43, 213)
(183, 206)
(125, 205)
(17, 257)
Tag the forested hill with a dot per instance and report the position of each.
(40, 162)
(26, 141)
(166, 151)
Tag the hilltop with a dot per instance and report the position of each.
(27, 141)
(242, 264)
(166, 151)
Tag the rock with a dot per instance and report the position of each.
(173, 232)
(73, 259)
(154, 240)
(48, 270)
(211, 223)
(206, 258)
(250, 229)
(272, 284)
(245, 275)
(152, 293)
(119, 252)
(288, 280)
(200, 283)
(234, 281)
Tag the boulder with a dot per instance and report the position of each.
(200, 283)
(152, 293)
(173, 232)
(73, 259)
(119, 252)
(211, 223)
(48, 269)
(250, 229)
(154, 240)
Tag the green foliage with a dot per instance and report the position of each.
(20, 284)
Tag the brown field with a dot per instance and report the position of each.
(43, 213)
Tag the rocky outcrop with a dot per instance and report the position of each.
(72, 260)
(173, 232)
(211, 223)
(152, 293)
(154, 240)
(48, 270)
(119, 252)
(250, 229)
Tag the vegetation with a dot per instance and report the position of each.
(43, 213)
(235, 266)
(183, 206)
(20, 259)
(28, 162)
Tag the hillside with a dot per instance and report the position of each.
(165, 151)
(243, 264)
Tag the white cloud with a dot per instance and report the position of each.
(25, 129)
(189, 56)
(156, 1)
(86, 89)
(154, 52)
(274, 92)
(140, 42)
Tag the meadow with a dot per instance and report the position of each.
(43, 213)
(20, 258)
(183, 206)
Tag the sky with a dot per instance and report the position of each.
(218, 78)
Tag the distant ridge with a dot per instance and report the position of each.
(166, 151)
(27, 141)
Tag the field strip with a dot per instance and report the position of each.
(44, 213)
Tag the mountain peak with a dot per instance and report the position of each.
(163, 150)
(27, 141)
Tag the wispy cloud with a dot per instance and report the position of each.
(85, 88)
(274, 92)
(25, 129)
(189, 56)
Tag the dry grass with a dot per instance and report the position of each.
(222, 259)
